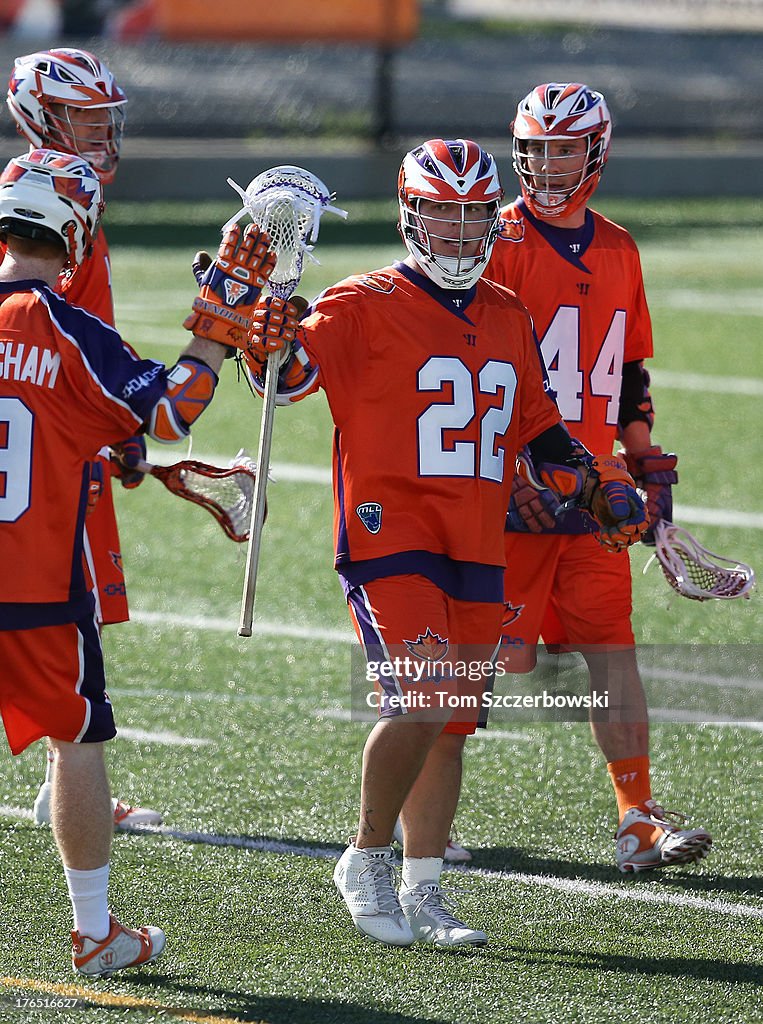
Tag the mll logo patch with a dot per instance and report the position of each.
(370, 515)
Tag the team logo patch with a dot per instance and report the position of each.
(116, 558)
(430, 646)
(512, 230)
(234, 290)
(378, 282)
(370, 515)
(510, 613)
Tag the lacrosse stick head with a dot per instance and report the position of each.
(696, 573)
(226, 493)
(288, 203)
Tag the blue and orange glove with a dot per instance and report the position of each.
(531, 510)
(274, 328)
(125, 458)
(611, 498)
(654, 473)
(231, 286)
(95, 485)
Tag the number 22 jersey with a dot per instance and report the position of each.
(431, 393)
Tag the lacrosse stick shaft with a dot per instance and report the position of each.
(258, 500)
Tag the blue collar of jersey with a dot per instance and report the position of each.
(455, 300)
(561, 239)
(25, 285)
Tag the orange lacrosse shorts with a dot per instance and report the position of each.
(438, 652)
(52, 683)
(566, 588)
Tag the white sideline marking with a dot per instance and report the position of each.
(748, 303)
(260, 627)
(168, 739)
(722, 682)
(291, 472)
(717, 517)
(703, 382)
(596, 890)
(703, 718)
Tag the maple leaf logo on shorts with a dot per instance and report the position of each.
(430, 646)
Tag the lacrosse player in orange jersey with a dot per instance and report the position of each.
(580, 277)
(68, 385)
(434, 382)
(68, 100)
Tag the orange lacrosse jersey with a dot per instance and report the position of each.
(90, 288)
(585, 293)
(431, 393)
(68, 385)
(91, 285)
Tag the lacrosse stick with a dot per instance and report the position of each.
(286, 202)
(693, 571)
(225, 493)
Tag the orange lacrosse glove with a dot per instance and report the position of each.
(231, 286)
(612, 500)
(274, 327)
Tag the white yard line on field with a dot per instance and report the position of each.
(574, 886)
(166, 739)
(260, 627)
(290, 472)
(721, 385)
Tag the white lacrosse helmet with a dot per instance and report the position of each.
(47, 195)
(552, 113)
(449, 171)
(45, 88)
(693, 571)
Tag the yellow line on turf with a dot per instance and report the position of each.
(98, 998)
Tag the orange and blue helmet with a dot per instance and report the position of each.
(455, 171)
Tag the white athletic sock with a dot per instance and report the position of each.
(50, 762)
(88, 891)
(421, 869)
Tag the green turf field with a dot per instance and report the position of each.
(247, 748)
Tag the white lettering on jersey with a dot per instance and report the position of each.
(37, 366)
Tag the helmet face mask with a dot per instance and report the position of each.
(449, 195)
(94, 133)
(67, 99)
(46, 195)
(561, 138)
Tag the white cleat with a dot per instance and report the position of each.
(366, 882)
(454, 852)
(121, 948)
(651, 837)
(125, 816)
(425, 907)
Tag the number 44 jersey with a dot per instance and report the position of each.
(431, 393)
(585, 293)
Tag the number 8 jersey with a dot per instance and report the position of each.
(431, 392)
(585, 292)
